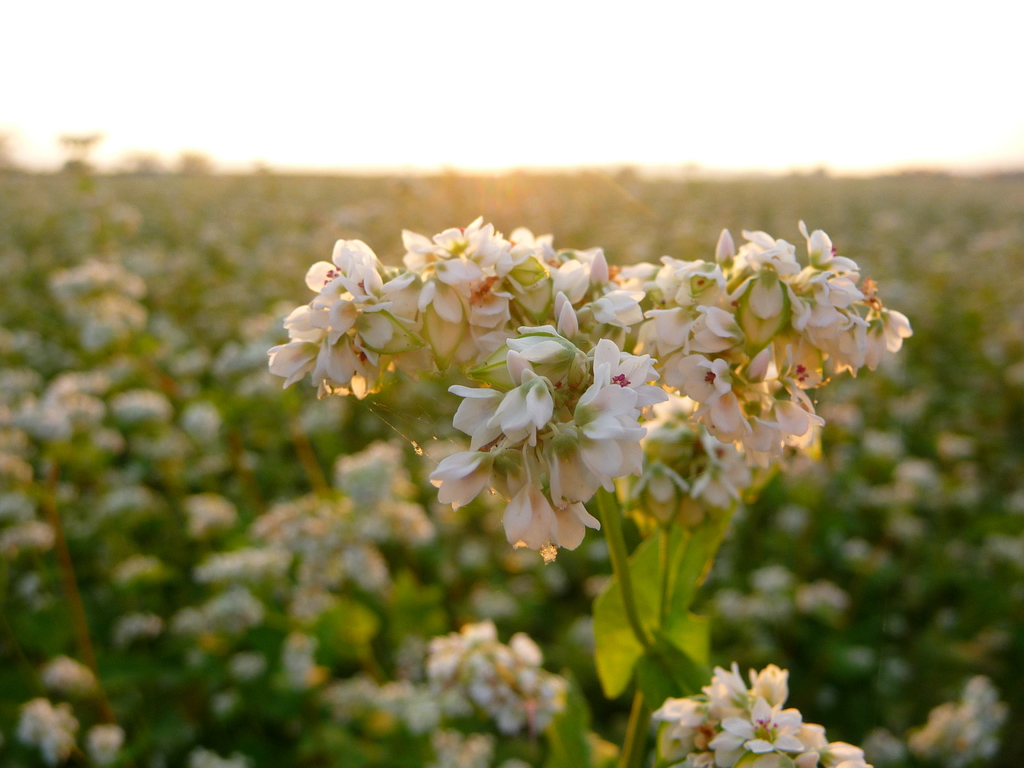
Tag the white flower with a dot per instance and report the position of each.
(525, 409)
(103, 742)
(727, 693)
(461, 477)
(68, 677)
(529, 519)
(771, 684)
(766, 729)
(50, 728)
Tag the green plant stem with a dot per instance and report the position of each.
(663, 536)
(635, 746)
(611, 522)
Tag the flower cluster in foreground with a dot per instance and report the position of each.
(730, 725)
(567, 347)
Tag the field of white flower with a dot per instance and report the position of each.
(201, 569)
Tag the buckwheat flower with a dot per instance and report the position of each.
(136, 626)
(297, 660)
(725, 249)
(247, 666)
(525, 409)
(103, 743)
(609, 434)
(771, 684)
(207, 513)
(139, 568)
(885, 334)
(822, 254)
(461, 477)
(50, 728)
(457, 255)
(688, 728)
(766, 729)
(32, 535)
(505, 681)
(138, 406)
(204, 758)
(612, 366)
(727, 693)
(68, 677)
(960, 733)
(251, 564)
(455, 750)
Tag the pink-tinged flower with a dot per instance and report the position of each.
(725, 250)
(462, 476)
(609, 434)
(572, 521)
(529, 519)
(612, 366)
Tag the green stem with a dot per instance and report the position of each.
(663, 537)
(611, 522)
(635, 746)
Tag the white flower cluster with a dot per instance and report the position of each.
(322, 533)
(686, 467)
(958, 734)
(730, 725)
(546, 331)
(103, 742)
(416, 706)
(299, 663)
(205, 758)
(746, 336)
(456, 750)
(102, 299)
(471, 668)
(565, 426)
(68, 677)
(50, 728)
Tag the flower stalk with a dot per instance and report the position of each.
(611, 523)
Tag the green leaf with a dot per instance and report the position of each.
(568, 742)
(694, 559)
(769, 760)
(616, 648)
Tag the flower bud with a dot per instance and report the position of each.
(725, 251)
(599, 269)
(764, 309)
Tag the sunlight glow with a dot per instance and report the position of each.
(484, 85)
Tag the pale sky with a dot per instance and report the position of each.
(334, 85)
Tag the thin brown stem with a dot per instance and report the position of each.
(307, 457)
(249, 483)
(71, 593)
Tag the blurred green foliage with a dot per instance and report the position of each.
(915, 514)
